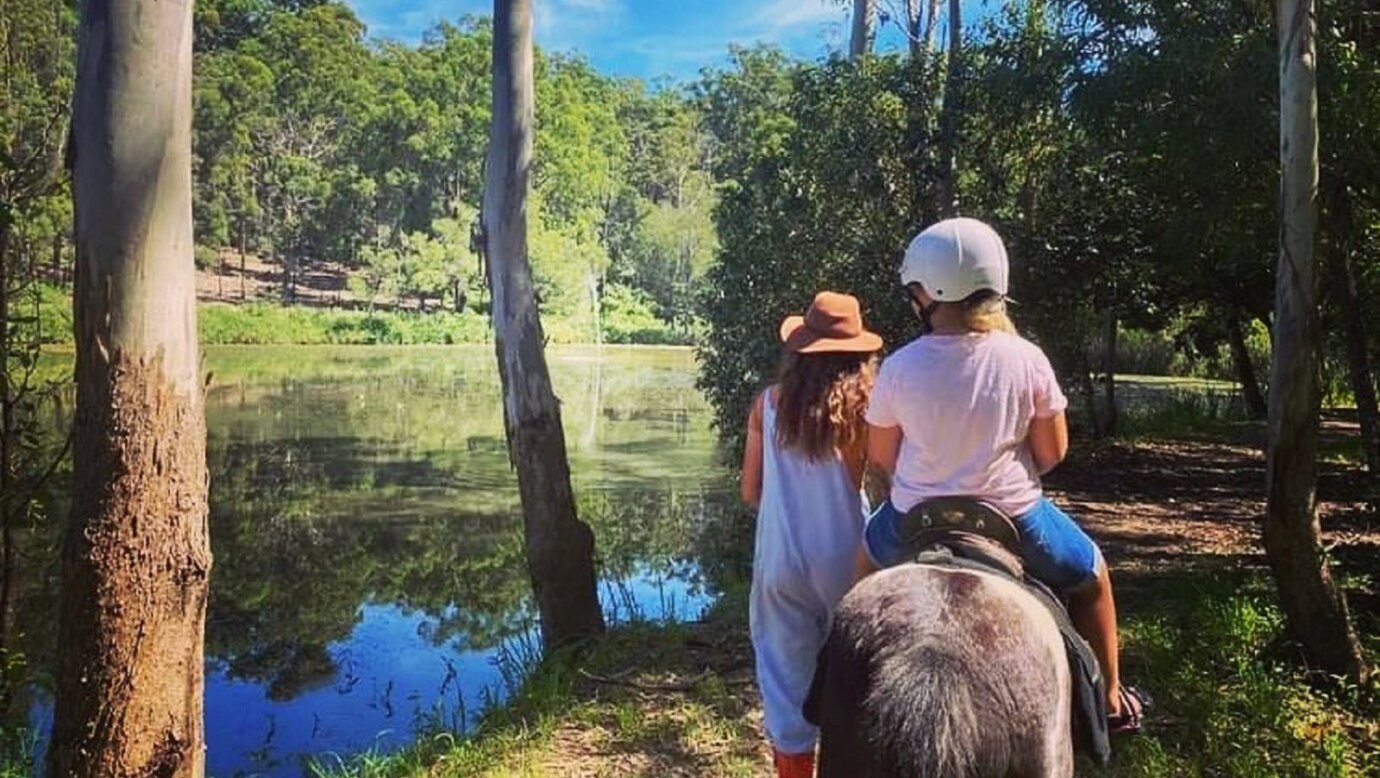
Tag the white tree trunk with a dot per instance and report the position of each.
(560, 547)
(931, 24)
(914, 23)
(950, 112)
(137, 557)
(864, 28)
(1314, 605)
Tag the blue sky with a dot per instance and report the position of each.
(645, 38)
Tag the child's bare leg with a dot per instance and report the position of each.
(1093, 610)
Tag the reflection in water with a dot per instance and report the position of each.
(368, 574)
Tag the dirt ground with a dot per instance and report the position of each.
(1154, 506)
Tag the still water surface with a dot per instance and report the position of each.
(368, 576)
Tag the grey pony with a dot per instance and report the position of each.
(933, 672)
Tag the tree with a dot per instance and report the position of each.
(560, 547)
(36, 46)
(1315, 607)
(864, 28)
(136, 558)
(949, 117)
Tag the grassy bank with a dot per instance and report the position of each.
(278, 325)
(1209, 643)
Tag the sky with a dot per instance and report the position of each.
(647, 39)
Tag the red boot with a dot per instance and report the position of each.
(794, 765)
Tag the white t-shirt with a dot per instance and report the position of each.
(964, 404)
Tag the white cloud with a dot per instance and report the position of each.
(574, 24)
(780, 16)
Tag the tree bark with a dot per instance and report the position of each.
(8, 442)
(1314, 606)
(560, 547)
(915, 23)
(1109, 377)
(1245, 370)
(931, 24)
(1358, 362)
(864, 29)
(1348, 303)
(136, 556)
(949, 116)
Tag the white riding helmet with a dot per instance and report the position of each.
(955, 258)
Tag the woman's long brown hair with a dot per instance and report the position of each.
(821, 402)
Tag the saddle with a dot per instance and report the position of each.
(967, 533)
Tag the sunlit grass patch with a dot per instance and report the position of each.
(1231, 699)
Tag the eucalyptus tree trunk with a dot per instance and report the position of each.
(947, 204)
(915, 22)
(136, 556)
(1245, 369)
(1358, 364)
(560, 547)
(1348, 303)
(931, 24)
(1109, 376)
(1314, 605)
(864, 29)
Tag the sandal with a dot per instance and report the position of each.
(1134, 703)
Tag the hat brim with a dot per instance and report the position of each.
(800, 339)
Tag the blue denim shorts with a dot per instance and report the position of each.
(1055, 549)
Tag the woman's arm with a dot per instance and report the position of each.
(1049, 442)
(752, 456)
(883, 446)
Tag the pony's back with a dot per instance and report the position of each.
(934, 672)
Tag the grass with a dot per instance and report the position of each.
(268, 324)
(630, 323)
(17, 753)
(1230, 701)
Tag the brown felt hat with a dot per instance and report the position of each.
(833, 322)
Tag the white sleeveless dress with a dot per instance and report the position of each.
(809, 524)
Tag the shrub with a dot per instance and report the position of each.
(630, 317)
(206, 258)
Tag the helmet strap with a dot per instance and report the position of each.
(926, 317)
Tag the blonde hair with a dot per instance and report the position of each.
(985, 311)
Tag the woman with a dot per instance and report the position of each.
(972, 409)
(803, 468)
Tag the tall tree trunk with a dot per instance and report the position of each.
(949, 117)
(242, 273)
(560, 547)
(931, 24)
(1245, 369)
(59, 274)
(915, 23)
(1358, 362)
(136, 556)
(1314, 606)
(1348, 303)
(8, 442)
(1109, 376)
(864, 29)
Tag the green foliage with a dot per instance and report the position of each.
(267, 324)
(825, 174)
(205, 257)
(630, 316)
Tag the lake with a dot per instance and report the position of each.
(369, 579)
